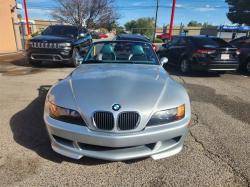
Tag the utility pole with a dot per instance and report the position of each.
(156, 20)
(172, 20)
(26, 16)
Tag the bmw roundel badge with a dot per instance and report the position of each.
(116, 107)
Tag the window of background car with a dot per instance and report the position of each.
(61, 31)
(174, 41)
(236, 42)
(215, 42)
(185, 41)
(245, 44)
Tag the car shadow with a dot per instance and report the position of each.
(172, 70)
(29, 131)
(21, 60)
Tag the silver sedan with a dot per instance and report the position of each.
(119, 104)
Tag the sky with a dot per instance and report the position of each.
(211, 11)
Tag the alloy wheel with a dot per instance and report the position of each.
(76, 54)
(248, 66)
(184, 65)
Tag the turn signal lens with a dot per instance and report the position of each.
(180, 112)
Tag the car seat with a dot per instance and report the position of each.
(138, 54)
(106, 53)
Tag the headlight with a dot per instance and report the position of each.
(167, 116)
(64, 45)
(66, 115)
(28, 42)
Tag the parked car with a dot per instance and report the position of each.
(164, 35)
(200, 53)
(62, 43)
(95, 35)
(119, 104)
(135, 37)
(243, 44)
(166, 39)
(103, 35)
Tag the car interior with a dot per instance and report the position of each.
(122, 52)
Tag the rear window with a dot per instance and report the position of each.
(212, 42)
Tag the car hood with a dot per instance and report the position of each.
(51, 39)
(96, 87)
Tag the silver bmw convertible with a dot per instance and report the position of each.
(119, 104)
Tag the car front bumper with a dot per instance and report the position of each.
(59, 55)
(78, 141)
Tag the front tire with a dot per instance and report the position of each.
(185, 66)
(248, 66)
(35, 63)
(75, 53)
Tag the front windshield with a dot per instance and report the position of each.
(61, 31)
(121, 52)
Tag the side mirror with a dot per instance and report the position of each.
(79, 59)
(163, 60)
(82, 35)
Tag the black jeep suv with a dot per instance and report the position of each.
(200, 53)
(61, 43)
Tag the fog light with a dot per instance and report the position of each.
(65, 52)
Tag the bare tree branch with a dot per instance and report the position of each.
(96, 13)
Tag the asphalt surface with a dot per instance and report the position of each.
(216, 151)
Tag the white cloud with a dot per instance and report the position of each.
(136, 4)
(204, 9)
(200, 9)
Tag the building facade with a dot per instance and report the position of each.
(9, 40)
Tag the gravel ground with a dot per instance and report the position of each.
(216, 151)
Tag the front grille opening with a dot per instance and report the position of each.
(103, 148)
(177, 139)
(128, 120)
(63, 141)
(104, 120)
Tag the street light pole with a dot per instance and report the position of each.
(156, 20)
(172, 20)
(26, 16)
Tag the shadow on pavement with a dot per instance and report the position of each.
(46, 64)
(29, 131)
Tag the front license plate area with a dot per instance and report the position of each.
(224, 56)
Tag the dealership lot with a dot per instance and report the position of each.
(216, 151)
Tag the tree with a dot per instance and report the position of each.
(115, 26)
(194, 24)
(143, 26)
(197, 24)
(239, 11)
(96, 13)
(206, 24)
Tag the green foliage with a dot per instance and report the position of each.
(239, 11)
(35, 33)
(115, 26)
(103, 30)
(146, 23)
(197, 24)
(157, 40)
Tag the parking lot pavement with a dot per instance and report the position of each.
(216, 151)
